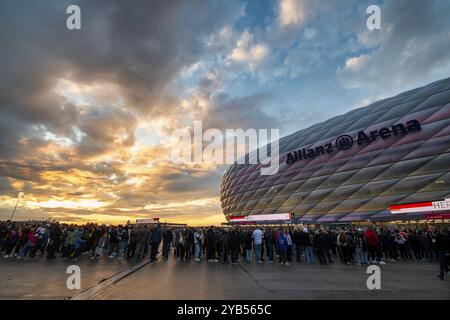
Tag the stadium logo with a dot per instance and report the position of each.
(345, 142)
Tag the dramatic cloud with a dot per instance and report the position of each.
(292, 12)
(74, 99)
(242, 112)
(412, 48)
(136, 49)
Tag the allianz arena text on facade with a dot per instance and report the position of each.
(355, 166)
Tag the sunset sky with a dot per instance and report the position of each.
(87, 116)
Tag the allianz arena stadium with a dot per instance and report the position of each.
(387, 161)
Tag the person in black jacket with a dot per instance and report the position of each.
(308, 241)
(141, 241)
(297, 239)
(167, 237)
(416, 245)
(332, 234)
(55, 240)
(225, 241)
(211, 245)
(155, 240)
(189, 244)
(3, 234)
(242, 236)
(321, 245)
(132, 241)
(442, 248)
(235, 245)
(248, 246)
(269, 239)
(329, 240)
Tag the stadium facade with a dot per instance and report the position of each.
(356, 166)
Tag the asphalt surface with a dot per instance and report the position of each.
(39, 278)
(42, 279)
(191, 280)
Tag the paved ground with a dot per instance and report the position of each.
(189, 280)
(42, 279)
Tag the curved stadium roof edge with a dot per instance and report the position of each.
(320, 182)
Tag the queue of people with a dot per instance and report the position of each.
(285, 245)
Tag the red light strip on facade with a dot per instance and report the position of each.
(442, 205)
(262, 217)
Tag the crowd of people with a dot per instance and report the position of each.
(283, 244)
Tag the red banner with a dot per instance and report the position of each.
(433, 216)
